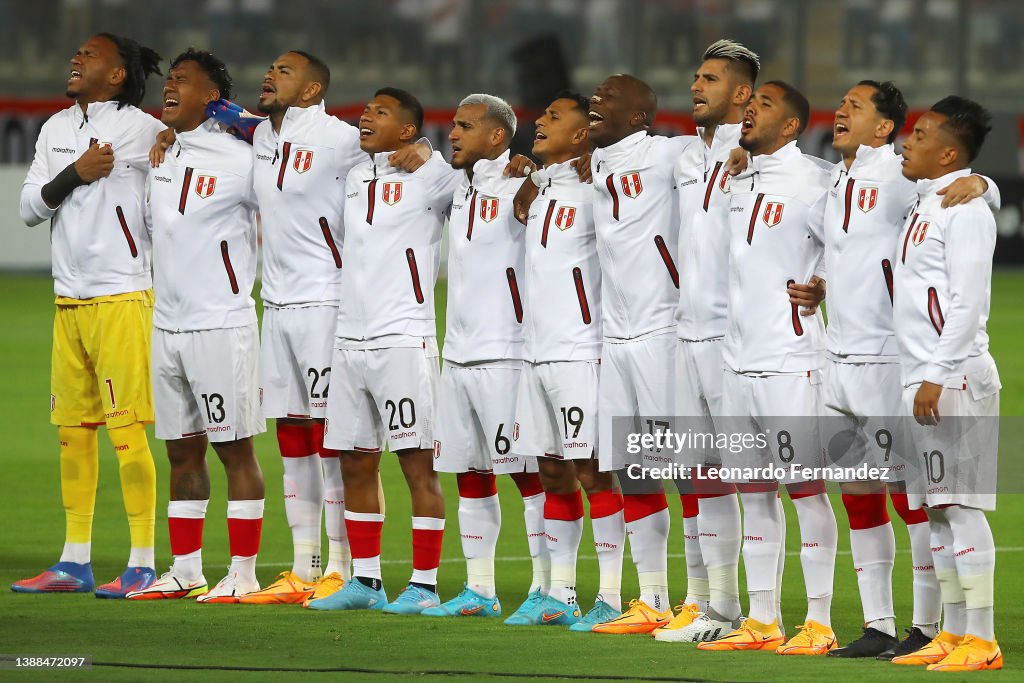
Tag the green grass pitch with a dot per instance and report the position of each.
(375, 647)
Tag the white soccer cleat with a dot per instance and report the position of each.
(230, 589)
(170, 586)
(705, 628)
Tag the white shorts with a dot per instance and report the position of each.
(784, 411)
(635, 396)
(383, 395)
(957, 459)
(862, 421)
(207, 382)
(477, 426)
(296, 360)
(698, 398)
(557, 409)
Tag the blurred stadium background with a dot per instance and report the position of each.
(526, 50)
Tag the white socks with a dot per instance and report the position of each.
(479, 524)
(609, 544)
(721, 535)
(819, 537)
(80, 553)
(974, 555)
(648, 544)
(533, 515)
(698, 591)
(303, 506)
(563, 543)
(339, 556)
(762, 533)
(927, 596)
(874, 553)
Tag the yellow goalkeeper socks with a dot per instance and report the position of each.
(138, 487)
(79, 472)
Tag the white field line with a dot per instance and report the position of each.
(526, 558)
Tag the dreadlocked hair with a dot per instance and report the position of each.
(139, 63)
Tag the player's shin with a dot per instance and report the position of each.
(698, 590)
(927, 596)
(954, 620)
(819, 537)
(339, 554)
(138, 487)
(303, 495)
(975, 556)
(647, 527)
(873, 546)
(245, 526)
(563, 528)
(609, 543)
(185, 526)
(479, 524)
(762, 532)
(532, 492)
(721, 535)
(79, 474)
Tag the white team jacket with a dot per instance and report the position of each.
(562, 294)
(703, 186)
(202, 214)
(773, 242)
(943, 286)
(393, 222)
(98, 241)
(300, 183)
(485, 268)
(636, 216)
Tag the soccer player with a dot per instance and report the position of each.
(483, 355)
(943, 278)
(721, 89)
(301, 152)
(636, 219)
(864, 213)
(205, 345)
(557, 405)
(773, 358)
(88, 179)
(385, 364)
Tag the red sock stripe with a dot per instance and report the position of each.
(528, 483)
(690, 508)
(760, 487)
(902, 505)
(318, 441)
(364, 537)
(186, 534)
(296, 441)
(605, 503)
(805, 489)
(567, 507)
(866, 511)
(426, 548)
(244, 536)
(477, 484)
(640, 505)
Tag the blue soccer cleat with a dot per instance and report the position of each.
(133, 579)
(468, 603)
(355, 595)
(599, 613)
(413, 600)
(63, 577)
(545, 611)
(526, 608)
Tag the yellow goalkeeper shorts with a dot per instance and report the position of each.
(100, 363)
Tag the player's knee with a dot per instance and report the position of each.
(592, 479)
(556, 476)
(359, 469)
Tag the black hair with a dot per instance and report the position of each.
(580, 103)
(212, 65)
(797, 103)
(139, 62)
(967, 120)
(889, 102)
(407, 102)
(320, 71)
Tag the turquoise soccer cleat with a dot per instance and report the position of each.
(355, 595)
(544, 611)
(599, 613)
(413, 600)
(527, 607)
(468, 603)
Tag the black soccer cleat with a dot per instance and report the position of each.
(871, 644)
(914, 641)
